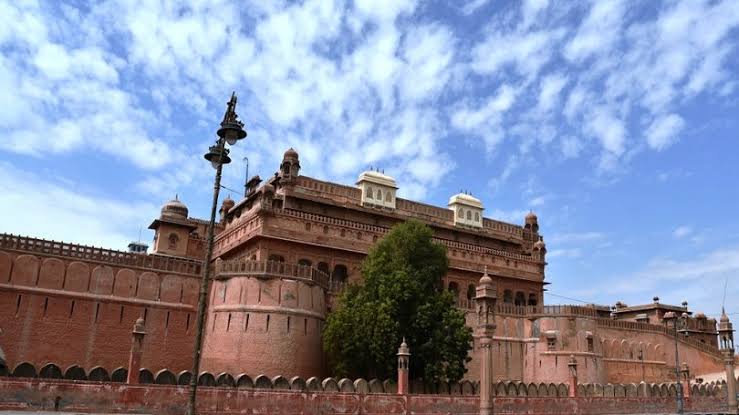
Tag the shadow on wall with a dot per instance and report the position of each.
(362, 386)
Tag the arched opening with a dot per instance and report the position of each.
(508, 297)
(379, 195)
(173, 239)
(276, 258)
(305, 262)
(470, 294)
(520, 298)
(469, 215)
(533, 300)
(369, 192)
(388, 197)
(454, 289)
(323, 267)
(340, 273)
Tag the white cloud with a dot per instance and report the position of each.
(664, 131)
(682, 231)
(549, 90)
(472, 6)
(598, 32)
(62, 211)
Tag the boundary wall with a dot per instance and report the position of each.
(87, 397)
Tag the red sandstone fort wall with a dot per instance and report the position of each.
(71, 311)
(265, 326)
(31, 394)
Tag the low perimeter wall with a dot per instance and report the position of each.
(83, 396)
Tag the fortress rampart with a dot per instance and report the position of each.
(74, 305)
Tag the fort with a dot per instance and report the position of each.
(282, 255)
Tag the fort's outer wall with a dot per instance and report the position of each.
(72, 312)
(269, 326)
(522, 352)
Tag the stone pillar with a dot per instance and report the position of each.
(685, 372)
(485, 300)
(726, 344)
(404, 354)
(731, 382)
(134, 361)
(572, 365)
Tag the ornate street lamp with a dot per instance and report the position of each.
(671, 316)
(231, 131)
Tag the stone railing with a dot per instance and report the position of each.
(240, 267)
(107, 256)
(380, 230)
(654, 328)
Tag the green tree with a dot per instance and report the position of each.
(401, 295)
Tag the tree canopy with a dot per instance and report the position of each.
(401, 295)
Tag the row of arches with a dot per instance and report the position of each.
(623, 349)
(339, 274)
(77, 276)
(376, 194)
(520, 298)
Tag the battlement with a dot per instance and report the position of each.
(96, 254)
(227, 395)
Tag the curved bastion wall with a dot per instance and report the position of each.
(265, 317)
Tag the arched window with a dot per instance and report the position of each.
(508, 297)
(173, 240)
(305, 262)
(454, 289)
(469, 215)
(471, 293)
(276, 258)
(533, 300)
(369, 192)
(340, 273)
(520, 298)
(388, 197)
(460, 213)
(322, 266)
(477, 216)
(379, 195)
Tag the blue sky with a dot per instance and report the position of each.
(614, 121)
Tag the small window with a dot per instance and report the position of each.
(591, 347)
(551, 343)
(460, 213)
(379, 195)
(477, 216)
(369, 193)
(173, 239)
(388, 197)
(469, 215)
(508, 297)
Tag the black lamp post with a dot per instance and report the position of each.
(671, 316)
(231, 131)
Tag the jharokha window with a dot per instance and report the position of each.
(173, 239)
